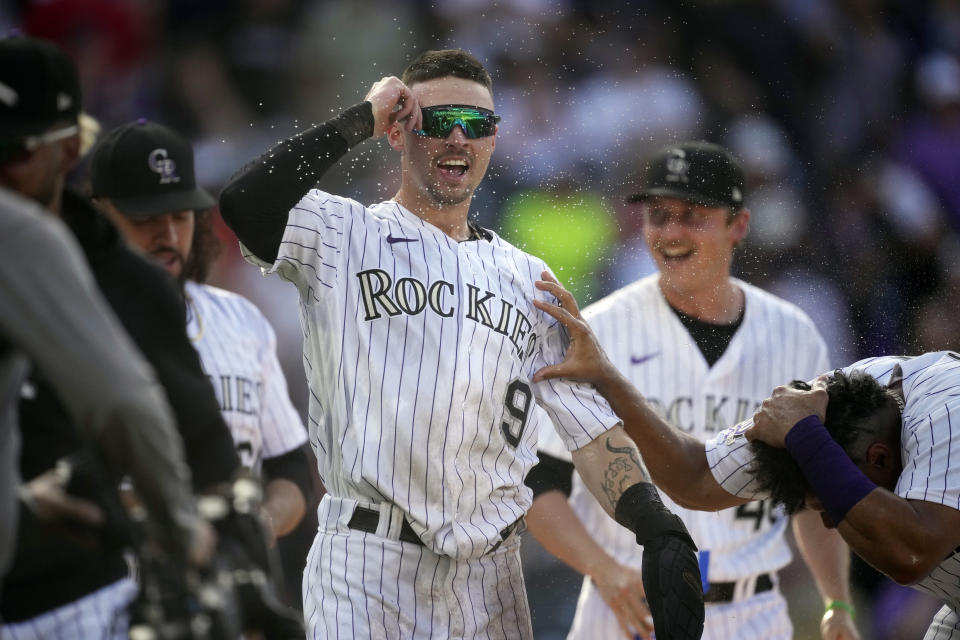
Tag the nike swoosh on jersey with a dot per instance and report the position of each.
(642, 359)
(393, 239)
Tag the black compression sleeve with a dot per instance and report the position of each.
(293, 466)
(257, 198)
(550, 474)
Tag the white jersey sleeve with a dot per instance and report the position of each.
(729, 454)
(578, 413)
(312, 243)
(549, 441)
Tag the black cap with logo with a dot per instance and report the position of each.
(146, 169)
(39, 87)
(698, 172)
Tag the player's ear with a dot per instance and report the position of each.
(880, 455)
(740, 226)
(395, 137)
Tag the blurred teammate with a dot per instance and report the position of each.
(704, 348)
(143, 179)
(420, 341)
(64, 579)
(55, 320)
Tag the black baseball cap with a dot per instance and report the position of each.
(39, 86)
(146, 169)
(698, 172)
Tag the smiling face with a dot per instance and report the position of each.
(692, 244)
(444, 172)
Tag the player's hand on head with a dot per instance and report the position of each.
(838, 624)
(785, 408)
(585, 360)
(621, 588)
(393, 102)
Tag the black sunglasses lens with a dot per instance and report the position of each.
(481, 127)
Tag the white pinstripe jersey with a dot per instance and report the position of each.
(419, 351)
(646, 341)
(929, 447)
(238, 351)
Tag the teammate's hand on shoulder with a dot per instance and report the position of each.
(838, 624)
(786, 407)
(393, 102)
(585, 360)
(621, 587)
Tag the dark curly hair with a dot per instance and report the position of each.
(852, 400)
(206, 247)
(445, 63)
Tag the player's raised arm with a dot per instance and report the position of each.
(677, 461)
(257, 198)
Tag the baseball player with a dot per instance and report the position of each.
(704, 347)
(872, 448)
(67, 578)
(421, 337)
(143, 178)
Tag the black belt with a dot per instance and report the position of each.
(724, 591)
(368, 520)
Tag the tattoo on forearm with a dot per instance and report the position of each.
(621, 472)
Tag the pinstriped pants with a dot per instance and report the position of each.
(366, 585)
(101, 615)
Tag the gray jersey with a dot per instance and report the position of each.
(419, 352)
(53, 314)
(931, 460)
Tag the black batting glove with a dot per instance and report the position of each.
(671, 573)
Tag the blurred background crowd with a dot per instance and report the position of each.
(845, 113)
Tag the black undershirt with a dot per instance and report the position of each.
(712, 339)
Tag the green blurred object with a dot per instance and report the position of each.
(572, 231)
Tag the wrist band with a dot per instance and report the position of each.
(843, 606)
(827, 468)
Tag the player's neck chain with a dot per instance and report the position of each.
(193, 315)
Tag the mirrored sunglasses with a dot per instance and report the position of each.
(439, 121)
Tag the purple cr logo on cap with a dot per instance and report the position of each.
(166, 167)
